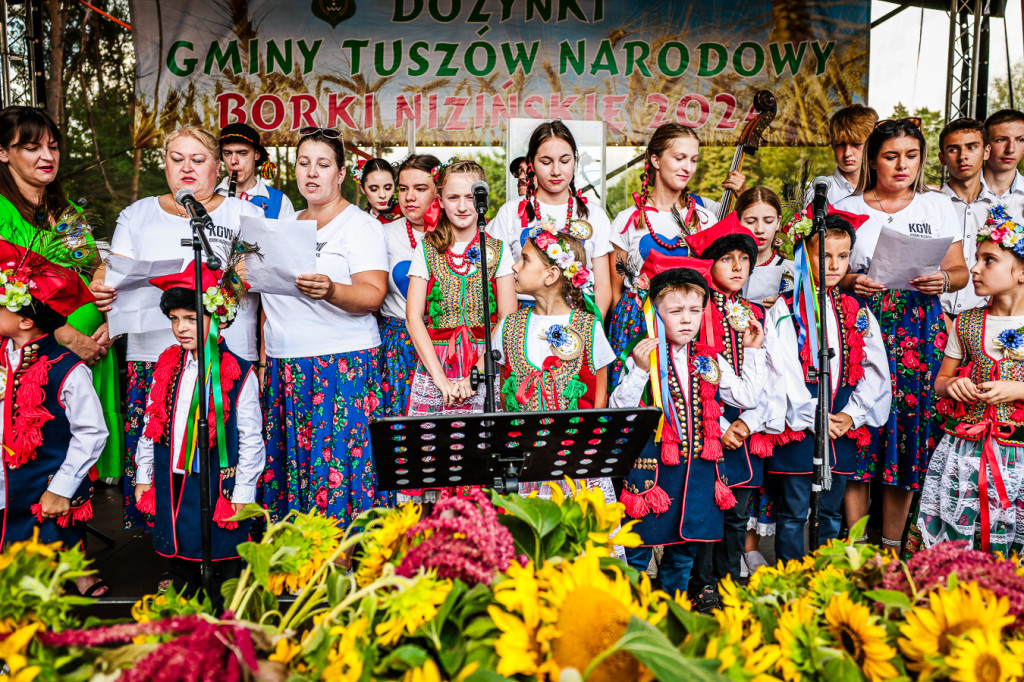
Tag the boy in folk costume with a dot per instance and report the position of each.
(746, 443)
(861, 385)
(53, 430)
(675, 488)
(167, 459)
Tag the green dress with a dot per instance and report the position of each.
(86, 320)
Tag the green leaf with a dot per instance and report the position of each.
(646, 643)
(858, 529)
(405, 657)
(484, 675)
(841, 668)
(890, 599)
(696, 625)
(543, 516)
(258, 558)
(336, 583)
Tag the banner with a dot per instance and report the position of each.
(456, 70)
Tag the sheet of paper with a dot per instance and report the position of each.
(764, 283)
(137, 308)
(899, 258)
(289, 250)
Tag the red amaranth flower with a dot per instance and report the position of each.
(463, 540)
(201, 650)
(930, 568)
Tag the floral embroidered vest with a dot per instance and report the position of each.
(560, 384)
(980, 366)
(455, 301)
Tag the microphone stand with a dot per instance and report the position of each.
(822, 477)
(200, 245)
(490, 372)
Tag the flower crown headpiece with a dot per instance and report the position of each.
(439, 168)
(1002, 230)
(799, 226)
(15, 288)
(561, 253)
(357, 171)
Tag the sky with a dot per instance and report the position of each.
(922, 83)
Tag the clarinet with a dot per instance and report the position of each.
(233, 184)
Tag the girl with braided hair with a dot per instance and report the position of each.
(552, 201)
(663, 216)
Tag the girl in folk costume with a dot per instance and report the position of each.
(376, 179)
(554, 353)
(53, 430)
(417, 200)
(167, 465)
(445, 290)
(860, 384)
(974, 488)
(893, 195)
(745, 444)
(676, 487)
(760, 210)
(552, 201)
(664, 214)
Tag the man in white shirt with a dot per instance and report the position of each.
(963, 151)
(1004, 132)
(243, 154)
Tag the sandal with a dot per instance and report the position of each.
(91, 591)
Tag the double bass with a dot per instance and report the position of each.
(750, 140)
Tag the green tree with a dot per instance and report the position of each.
(999, 92)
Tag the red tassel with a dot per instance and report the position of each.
(860, 435)
(93, 474)
(712, 448)
(669, 445)
(147, 503)
(723, 496)
(850, 306)
(1018, 414)
(224, 511)
(636, 506)
(82, 512)
(63, 521)
(37, 511)
(163, 375)
(658, 500)
(761, 445)
(788, 436)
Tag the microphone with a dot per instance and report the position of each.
(480, 192)
(185, 197)
(821, 186)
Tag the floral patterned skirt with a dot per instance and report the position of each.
(951, 503)
(140, 377)
(627, 323)
(400, 360)
(316, 413)
(914, 334)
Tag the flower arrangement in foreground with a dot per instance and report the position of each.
(534, 593)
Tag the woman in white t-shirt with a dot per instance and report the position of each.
(416, 193)
(151, 229)
(552, 201)
(892, 194)
(662, 218)
(323, 380)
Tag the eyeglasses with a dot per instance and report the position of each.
(914, 121)
(329, 133)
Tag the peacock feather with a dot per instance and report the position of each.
(233, 279)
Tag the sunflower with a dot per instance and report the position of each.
(980, 656)
(387, 543)
(859, 636)
(566, 614)
(345, 658)
(12, 653)
(410, 608)
(930, 631)
(796, 634)
(427, 672)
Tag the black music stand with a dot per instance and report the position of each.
(500, 449)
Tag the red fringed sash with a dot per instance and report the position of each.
(29, 414)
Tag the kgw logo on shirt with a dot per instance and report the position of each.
(920, 229)
(319, 248)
